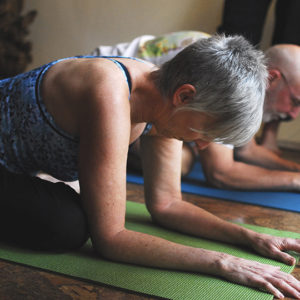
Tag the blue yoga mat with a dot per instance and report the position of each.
(195, 183)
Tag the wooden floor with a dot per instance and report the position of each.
(20, 282)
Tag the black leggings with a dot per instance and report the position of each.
(39, 214)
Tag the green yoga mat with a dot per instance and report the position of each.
(163, 283)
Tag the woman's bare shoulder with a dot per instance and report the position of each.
(76, 87)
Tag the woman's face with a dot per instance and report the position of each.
(181, 124)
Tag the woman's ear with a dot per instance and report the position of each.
(183, 94)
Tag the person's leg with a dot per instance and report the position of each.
(287, 22)
(134, 162)
(189, 156)
(40, 215)
(245, 17)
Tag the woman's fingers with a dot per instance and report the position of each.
(266, 286)
(278, 282)
(283, 256)
(291, 245)
(288, 279)
(285, 245)
(264, 277)
(274, 247)
(267, 277)
(278, 285)
(288, 284)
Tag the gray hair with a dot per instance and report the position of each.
(230, 79)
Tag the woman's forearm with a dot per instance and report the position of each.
(188, 218)
(147, 250)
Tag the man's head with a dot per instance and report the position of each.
(229, 78)
(283, 94)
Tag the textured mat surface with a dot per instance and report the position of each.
(195, 183)
(169, 284)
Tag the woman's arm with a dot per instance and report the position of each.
(104, 138)
(163, 198)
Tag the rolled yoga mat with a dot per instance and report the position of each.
(84, 264)
(195, 183)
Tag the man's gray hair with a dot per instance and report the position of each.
(230, 79)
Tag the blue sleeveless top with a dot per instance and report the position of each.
(30, 141)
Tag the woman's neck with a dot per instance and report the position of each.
(147, 103)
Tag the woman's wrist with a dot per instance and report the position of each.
(253, 239)
(246, 236)
(212, 262)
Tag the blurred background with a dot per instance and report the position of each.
(63, 28)
(70, 27)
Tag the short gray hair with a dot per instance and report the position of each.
(230, 79)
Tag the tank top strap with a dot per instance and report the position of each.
(125, 72)
(147, 128)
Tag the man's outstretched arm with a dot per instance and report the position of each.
(254, 154)
(223, 171)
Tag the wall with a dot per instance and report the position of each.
(70, 27)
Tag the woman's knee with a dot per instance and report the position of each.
(70, 224)
(66, 225)
(39, 214)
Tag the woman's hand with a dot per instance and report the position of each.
(275, 247)
(264, 277)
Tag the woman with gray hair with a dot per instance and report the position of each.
(76, 117)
